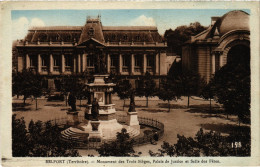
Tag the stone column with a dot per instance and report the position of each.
(120, 63)
(213, 63)
(51, 63)
(84, 62)
(79, 64)
(132, 64)
(74, 64)
(39, 64)
(144, 63)
(157, 64)
(62, 63)
(27, 61)
(220, 60)
(108, 63)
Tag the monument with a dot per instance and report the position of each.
(100, 115)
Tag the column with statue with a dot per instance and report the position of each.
(132, 118)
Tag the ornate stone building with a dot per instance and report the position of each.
(227, 38)
(128, 51)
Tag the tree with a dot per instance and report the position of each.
(121, 147)
(147, 87)
(232, 89)
(36, 88)
(176, 38)
(20, 139)
(208, 93)
(44, 138)
(27, 83)
(190, 83)
(206, 144)
(70, 83)
(123, 89)
(168, 91)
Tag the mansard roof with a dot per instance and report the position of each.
(94, 30)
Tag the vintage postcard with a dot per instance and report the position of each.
(129, 84)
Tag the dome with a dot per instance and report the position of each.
(234, 20)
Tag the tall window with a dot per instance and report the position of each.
(126, 60)
(44, 60)
(150, 60)
(125, 37)
(114, 60)
(68, 60)
(138, 60)
(56, 60)
(90, 61)
(33, 60)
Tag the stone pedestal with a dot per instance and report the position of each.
(72, 118)
(95, 135)
(132, 120)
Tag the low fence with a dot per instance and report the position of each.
(139, 140)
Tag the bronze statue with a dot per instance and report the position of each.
(72, 101)
(95, 110)
(132, 102)
(100, 65)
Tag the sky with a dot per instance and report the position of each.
(164, 19)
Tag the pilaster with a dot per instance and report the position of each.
(213, 63)
(62, 63)
(39, 64)
(120, 63)
(84, 57)
(108, 63)
(51, 63)
(157, 64)
(79, 64)
(132, 64)
(144, 63)
(74, 63)
(27, 61)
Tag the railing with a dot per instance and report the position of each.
(56, 69)
(44, 69)
(68, 69)
(113, 69)
(122, 119)
(125, 69)
(138, 69)
(149, 69)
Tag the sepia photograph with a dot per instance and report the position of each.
(89, 83)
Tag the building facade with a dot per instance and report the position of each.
(129, 51)
(226, 39)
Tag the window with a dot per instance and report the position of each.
(138, 60)
(114, 60)
(91, 31)
(150, 60)
(44, 60)
(138, 38)
(68, 60)
(90, 61)
(56, 60)
(126, 60)
(125, 37)
(113, 36)
(33, 60)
